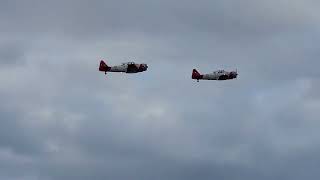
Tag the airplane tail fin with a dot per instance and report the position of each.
(103, 66)
(196, 74)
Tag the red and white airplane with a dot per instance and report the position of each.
(216, 75)
(129, 67)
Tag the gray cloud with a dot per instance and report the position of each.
(11, 54)
(61, 119)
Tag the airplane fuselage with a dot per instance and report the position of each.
(129, 67)
(217, 75)
(122, 68)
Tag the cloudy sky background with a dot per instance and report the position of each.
(61, 119)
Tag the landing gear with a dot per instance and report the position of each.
(197, 80)
(105, 72)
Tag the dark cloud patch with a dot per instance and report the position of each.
(17, 138)
(231, 19)
(11, 54)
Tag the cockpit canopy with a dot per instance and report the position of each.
(220, 71)
(128, 63)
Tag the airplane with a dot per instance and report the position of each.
(129, 67)
(216, 75)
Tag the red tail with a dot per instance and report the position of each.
(103, 66)
(196, 74)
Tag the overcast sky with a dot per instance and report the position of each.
(61, 119)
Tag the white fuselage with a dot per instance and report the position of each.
(120, 68)
(214, 75)
(129, 67)
(211, 76)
